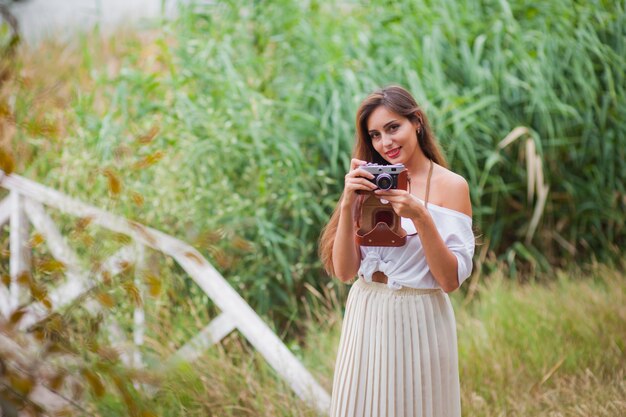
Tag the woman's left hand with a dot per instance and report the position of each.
(404, 203)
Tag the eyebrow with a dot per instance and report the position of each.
(386, 124)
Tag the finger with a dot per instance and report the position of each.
(359, 173)
(354, 163)
(391, 192)
(363, 173)
(391, 199)
(400, 199)
(357, 189)
(362, 182)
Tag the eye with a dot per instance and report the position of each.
(374, 135)
(393, 127)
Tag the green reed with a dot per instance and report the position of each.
(231, 127)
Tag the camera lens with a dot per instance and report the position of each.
(384, 181)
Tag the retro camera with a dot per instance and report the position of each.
(385, 176)
(377, 223)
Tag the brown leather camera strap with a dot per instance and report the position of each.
(430, 174)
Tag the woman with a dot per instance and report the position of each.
(398, 350)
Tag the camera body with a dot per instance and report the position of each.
(386, 177)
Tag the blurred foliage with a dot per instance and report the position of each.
(232, 126)
(59, 354)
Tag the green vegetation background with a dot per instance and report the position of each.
(232, 126)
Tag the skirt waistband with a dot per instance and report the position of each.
(383, 288)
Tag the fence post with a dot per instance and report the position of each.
(139, 315)
(20, 249)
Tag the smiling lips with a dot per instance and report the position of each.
(393, 153)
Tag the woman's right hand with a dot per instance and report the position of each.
(356, 180)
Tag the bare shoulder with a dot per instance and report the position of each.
(453, 190)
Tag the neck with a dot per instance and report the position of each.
(418, 165)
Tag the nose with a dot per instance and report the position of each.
(387, 142)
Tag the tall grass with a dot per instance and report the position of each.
(524, 350)
(232, 126)
(540, 350)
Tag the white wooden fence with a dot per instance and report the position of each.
(27, 203)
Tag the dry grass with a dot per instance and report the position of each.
(525, 350)
(553, 349)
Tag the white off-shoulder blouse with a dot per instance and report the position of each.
(406, 266)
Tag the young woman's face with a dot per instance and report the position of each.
(393, 136)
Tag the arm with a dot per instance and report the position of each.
(346, 253)
(442, 262)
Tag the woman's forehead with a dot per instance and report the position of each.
(381, 116)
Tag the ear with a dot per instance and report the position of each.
(417, 123)
(418, 128)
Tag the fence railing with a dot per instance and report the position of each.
(26, 205)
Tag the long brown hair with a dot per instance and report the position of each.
(399, 101)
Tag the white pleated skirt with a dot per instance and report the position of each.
(397, 354)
